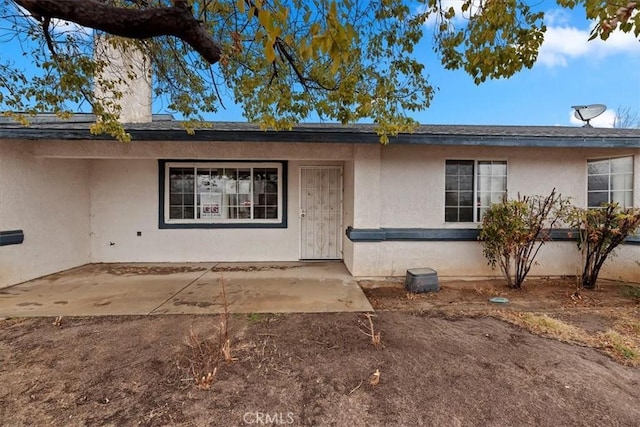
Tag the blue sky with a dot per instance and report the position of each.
(570, 70)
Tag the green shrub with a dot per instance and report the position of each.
(512, 233)
(599, 231)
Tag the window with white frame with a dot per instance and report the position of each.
(610, 181)
(223, 192)
(471, 186)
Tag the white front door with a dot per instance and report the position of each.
(321, 212)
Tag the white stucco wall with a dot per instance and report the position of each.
(367, 186)
(453, 259)
(49, 200)
(624, 265)
(413, 178)
(124, 200)
(348, 197)
(395, 186)
(412, 196)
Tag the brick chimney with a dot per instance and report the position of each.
(135, 71)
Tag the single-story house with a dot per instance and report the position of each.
(233, 192)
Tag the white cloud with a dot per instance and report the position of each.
(557, 18)
(446, 5)
(563, 43)
(604, 120)
(59, 26)
(67, 27)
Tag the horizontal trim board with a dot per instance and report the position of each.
(167, 226)
(634, 240)
(411, 234)
(11, 237)
(442, 235)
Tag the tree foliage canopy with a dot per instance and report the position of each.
(283, 61)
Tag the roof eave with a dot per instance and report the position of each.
(325, 135)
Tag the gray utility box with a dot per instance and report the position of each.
(422, 280)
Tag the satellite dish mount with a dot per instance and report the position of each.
(588, 112)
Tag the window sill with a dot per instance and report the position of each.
(172, 225)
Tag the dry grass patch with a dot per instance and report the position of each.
(620, 343)
(631, 291)
(628, 321)
(620, 347)
(543, 324)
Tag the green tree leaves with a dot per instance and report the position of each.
(609, 16)
(494, 39)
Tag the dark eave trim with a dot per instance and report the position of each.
(441, 235)
(411, 234)
(11, 237)
(336, 135)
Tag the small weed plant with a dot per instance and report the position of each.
(255, 317)
(620, 347)
(369, 330)
(632, 292)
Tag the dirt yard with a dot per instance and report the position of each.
(450, 359)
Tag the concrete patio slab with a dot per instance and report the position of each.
(140, 289)
(100, 289)
(267, 295)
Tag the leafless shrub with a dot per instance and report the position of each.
(58, 321)
(369, 330)
(375, 378)
(204, 358)
(206, 354)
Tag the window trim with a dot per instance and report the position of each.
(476, 176)
(164, 223)
(609, 190)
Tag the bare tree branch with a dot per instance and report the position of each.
(177, 21)
(622, 16)
(46, 22)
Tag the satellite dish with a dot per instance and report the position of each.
(588, 112)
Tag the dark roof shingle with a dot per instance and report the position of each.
(164, 128)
